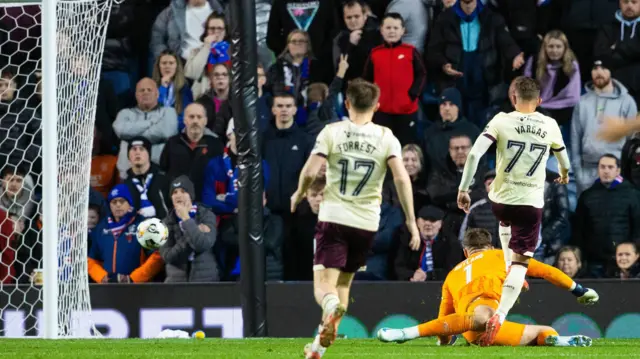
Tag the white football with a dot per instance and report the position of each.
(152, 233)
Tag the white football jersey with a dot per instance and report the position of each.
(523, 145)
(356, 167)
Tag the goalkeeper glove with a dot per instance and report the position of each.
(586, 296)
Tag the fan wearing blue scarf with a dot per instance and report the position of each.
(115, 255)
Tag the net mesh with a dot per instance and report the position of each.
(81, 30)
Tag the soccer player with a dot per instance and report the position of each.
(469, 298)
(357, 153)
(524, 138)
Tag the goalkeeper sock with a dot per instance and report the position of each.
(505, 238)
(445, 326)
(578, 290)
(511, 288)
(544, 334)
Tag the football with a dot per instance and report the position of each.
(152, 233)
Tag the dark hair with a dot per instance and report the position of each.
(318, 184)
(393, 15)
(215, 16)
(14, 170)
(635, 246)
(476, 238)
(526, 88)
(612, 156)
(362, 95)
(352, 3)
(284, 95)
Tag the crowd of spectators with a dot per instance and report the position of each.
(164, 139)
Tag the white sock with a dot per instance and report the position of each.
(505, 237)
(411, 332)
(329, 303)
(511, 289)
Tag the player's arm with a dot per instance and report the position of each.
(311, 168)
(560, 151)
(478, 150)
(614, 129)
(556, 277)
(446, 303)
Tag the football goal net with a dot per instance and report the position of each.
(50, 59)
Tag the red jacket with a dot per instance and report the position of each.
(7, 250)
(398, 70)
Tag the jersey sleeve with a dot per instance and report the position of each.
(551, 274)
(557, 142)
(446, 303)
(323, 143)
(491, 130)
(393, 145)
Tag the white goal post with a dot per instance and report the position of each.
(71, 44)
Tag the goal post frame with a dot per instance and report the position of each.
(50, 168)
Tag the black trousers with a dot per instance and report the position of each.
(402, 126)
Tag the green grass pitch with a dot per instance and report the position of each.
(292, 348)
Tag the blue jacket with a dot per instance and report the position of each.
(220, 177)
(390, 220)
(122, 255)
(187, 98)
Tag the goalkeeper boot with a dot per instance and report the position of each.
(388, 335)
(493, 327)
(568, 341)
(329, 329)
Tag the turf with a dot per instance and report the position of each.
(292, 348)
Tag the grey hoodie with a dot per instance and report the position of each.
(416, 20)
(586, 148)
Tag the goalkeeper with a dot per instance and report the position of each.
(470, 296)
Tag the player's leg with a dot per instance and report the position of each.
(472, 320)
(504, 230)
(525, 227)
(542, 335)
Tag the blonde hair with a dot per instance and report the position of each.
(571, 249)
(417, 150)
(567, 58)
(306, 37)
(179, 80)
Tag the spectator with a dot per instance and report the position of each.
(215, 99)
(481, 215)
(214, 50)
(438, 135)
(527, 21)
(119, 50)
(377, 267)
(569, 261)
(263, 11)
(607, 214)
(397, 69)
(294, 70)
(188, 253)
(454, 58)
(8, 253)
(220, 191)
(357, 41)
(605, 97)
(189, 152)
(556, 229)
(443, 185)
(317, 18)
(148, 187)
(115, 255)
(416, 19)
(627, 264)
(178, 27)
(104, 169)
(323, 100)
(173, 90)
(581, 20)
(630, 160)
(29, 249)
(17, 193)
(437, 255)
(93, 218)
(618, 45)
(286, 148)
(19, 127)
(556, 68)
(263, 106)
(299, 253)
(148, 119)
(413, 161)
